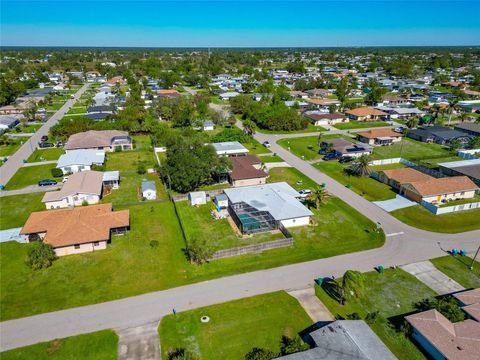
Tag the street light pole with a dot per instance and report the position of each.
(473, 260)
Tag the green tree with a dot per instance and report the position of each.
(362, 165)
(292, 345)
(374, 91)
(198, 251)
(412, 122)
(318, 197)
(474, 143)
(447, 306)
(180, 354)
(260, 354)
(56, 172)
(40, 256)
(342, 90)
(454, 145)
(353, 285)
(249, 127)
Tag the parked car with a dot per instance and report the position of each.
(47, 182)
(44, 145)
(59, 144)
(399, 129)
(331, 156)
(266, 144)
(44, 138)
(305, 193)
(345, 159)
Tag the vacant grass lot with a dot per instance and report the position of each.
(100, 345)
(391, 294)
(421, 218)
(45, 154)
(310, 128)
(15, 210)
(387, 167)
(255, 147)
(360, 125)
(369, 188)
(199, 224)
(235, 327)
(31, 175)
(306, 147)
(8, 150)
(458, 268)
(416, 151)
(77, 110)
(270, 158)
(292, 176)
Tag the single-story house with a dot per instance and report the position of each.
(8, 122)
(341, 340)
(319, 103)
(197, 198)
(366, 114)
(401, 113)
(440, 190)
(379, 137)
(149, 190)
(469, 128)
(80, 160)
(397, 177)
(319, 92)
(442, 339)
(266, 207)
(298, 94)
(326, 119)
(394, 100)
(208, 125)
(470, 302)
(107, 140)
(168, 93)
(470, 168)
(100, 109)
(76, 230)
(439, 134)
(97, 116)
(247, 171)
(230, 148)
(81, 187)
(345, 147)
(228, 95)
(111, 179)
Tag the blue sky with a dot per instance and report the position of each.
(239, 23)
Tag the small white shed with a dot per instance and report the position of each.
(197, 198)
(221, 201)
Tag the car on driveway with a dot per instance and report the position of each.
(305, 193)
(331, 156)
(266, 144)
(47, 182)
(399, 130)
(44, 145)
(345, 159)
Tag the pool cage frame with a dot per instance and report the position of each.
(251, 220)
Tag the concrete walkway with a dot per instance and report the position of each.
(30, 189)
(427, 273)
(399, 202)
(312, 304)
(272, 165)
(139, 343)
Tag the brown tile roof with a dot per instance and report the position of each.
(316, 117)
(92, 139)
(375, 133)
(469, 297)
(393, 98)
(406, 175)
(84, 182)
(444, 185)
(325, 102)
(460, 341)
(168, 92)
(65, 227)
(243, 168)
(366, 111)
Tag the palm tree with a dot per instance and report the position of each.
(319, 196)
(412, 122)
(463, 116)
(452, 107)
(249, 127)
(362, 165)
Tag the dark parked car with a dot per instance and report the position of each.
(44, 138)
(331, 156)
(44, 145)
(47, 182)
(345, 159)
(266, 144)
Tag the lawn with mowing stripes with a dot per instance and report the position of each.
(458, 268)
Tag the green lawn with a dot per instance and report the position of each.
(391, 294)
(292, 176)
(368, 187)
(55, 106)
(235, 327)
(199, 224)
(458, 268)
(255, 147)
(8, 150)
(387, 167)
(130, 266)
(306, 147)
(25, 128)
(101, 345)
(15, 210)
(310, 128)
(31, 175)
(360, 125)
(420, 217)
(45, 154)
(270, 158)
(77, 110)
(411, 150)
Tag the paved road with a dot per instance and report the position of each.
(15, 161)
(30, 189)
(403, 245)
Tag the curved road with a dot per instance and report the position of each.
(404, 244)
(15, 161)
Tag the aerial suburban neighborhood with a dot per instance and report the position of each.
(251, 203)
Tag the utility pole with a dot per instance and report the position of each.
(473, 260)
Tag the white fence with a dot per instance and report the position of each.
(469, 154)
(391, 161)
(449, 209)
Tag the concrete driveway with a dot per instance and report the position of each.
(30, 189)
(399, 202)
(427, 273)
(139, 343)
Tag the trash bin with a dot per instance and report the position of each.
(380, 269)
(454, 251)
(319, 281)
